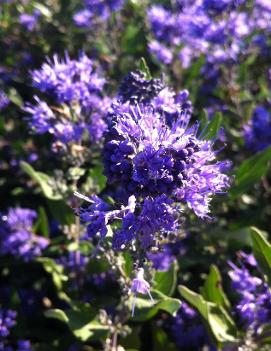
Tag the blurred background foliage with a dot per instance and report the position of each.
(70, 298)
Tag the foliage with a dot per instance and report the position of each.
(135, 175)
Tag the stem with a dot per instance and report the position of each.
(115, 341)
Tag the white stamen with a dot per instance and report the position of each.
(83, 197)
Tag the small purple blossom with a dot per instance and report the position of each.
(4, 101)
(7, 321)
(140, 285)
(103, 8)
(30, 21)
(95, 12)
(17, 238)
(82, 18)
(257, 132)
(161, 52)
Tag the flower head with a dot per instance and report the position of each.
(77, 103)
(17, 237)
(149, 152)
(139, 285)
(154, 161)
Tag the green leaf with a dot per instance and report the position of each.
(14, 97)
(262, 252)
(132, 339)
(165, 281)
(57, 314)
(191, 76)
(42, 224)
(98, 180)
(212, 290)
(250, 172)
(82, 322)
(216, 318)
(45, 11)
(43, 180)
(92, 329)
(146, 309)
(161, 340)
(144, 68)
(127, 263)
(212, 128)
(54, 269)
(204, 119)
(61, 212)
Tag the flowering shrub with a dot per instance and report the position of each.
(135, 187)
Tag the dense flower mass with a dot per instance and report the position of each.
(155, 161)
(17, 238)
(76, 88)
(207, 27)
(257, 132)
(254, 306)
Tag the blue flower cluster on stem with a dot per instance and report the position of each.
(74, 101)
(156, 166)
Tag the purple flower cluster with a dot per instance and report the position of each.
(75, 87)
(163, 259)
(257, 132)
(155, 164)
(95, 11)
(7, 322)
(17, 238)
(30, 21)
(4, 101)
(188, 331)
(215, 28)
(254, 306)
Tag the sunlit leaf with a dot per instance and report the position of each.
(250, 172)
(262, 252)
(216, 318)
(43, 180)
